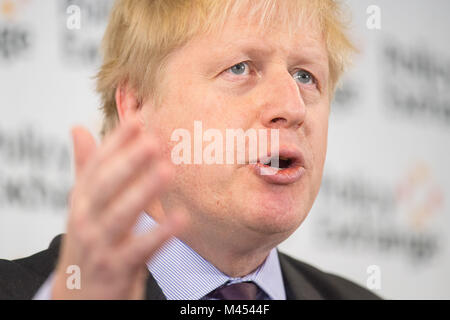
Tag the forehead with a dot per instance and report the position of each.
(272, 36)
(281, 37)
(246, 34)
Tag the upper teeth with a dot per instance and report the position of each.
(270, 159)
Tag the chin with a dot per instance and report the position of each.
(271, 209)
(273, 217)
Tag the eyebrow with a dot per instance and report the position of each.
(240, 49)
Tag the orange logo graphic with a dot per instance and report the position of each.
(419, 194)
(9, 8)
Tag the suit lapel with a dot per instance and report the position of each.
(295, 283)
(152, 290)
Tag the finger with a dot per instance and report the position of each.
(88, 163)
(84, 147)
(124, 134)
(118, 172)
(138, 290)
(121, 215)
(142, 247)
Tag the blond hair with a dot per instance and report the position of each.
(142, 33)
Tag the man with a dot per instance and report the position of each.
(248, 65)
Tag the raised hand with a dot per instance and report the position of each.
(113, 185)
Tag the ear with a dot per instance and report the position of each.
(127, 102)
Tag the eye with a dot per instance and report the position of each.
(304, 77)
(239, 69)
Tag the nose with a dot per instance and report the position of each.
(283, 105)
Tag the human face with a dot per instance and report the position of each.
(244, 77)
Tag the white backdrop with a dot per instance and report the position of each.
(386, 190)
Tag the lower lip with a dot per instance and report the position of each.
(284, 176)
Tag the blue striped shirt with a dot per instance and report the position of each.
(182, 274)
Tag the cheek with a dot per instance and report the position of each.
(317, 137)
(318, 127)
(205, 104)
(321, 142)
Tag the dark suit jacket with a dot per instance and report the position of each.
(21, 279)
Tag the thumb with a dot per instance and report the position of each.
(84, 146)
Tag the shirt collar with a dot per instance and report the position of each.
(182, 274)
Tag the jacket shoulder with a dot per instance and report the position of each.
(21, 278)
(326, 285)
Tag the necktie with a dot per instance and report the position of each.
(237, 291)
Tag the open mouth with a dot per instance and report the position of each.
(282, 163)
(285, 168)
